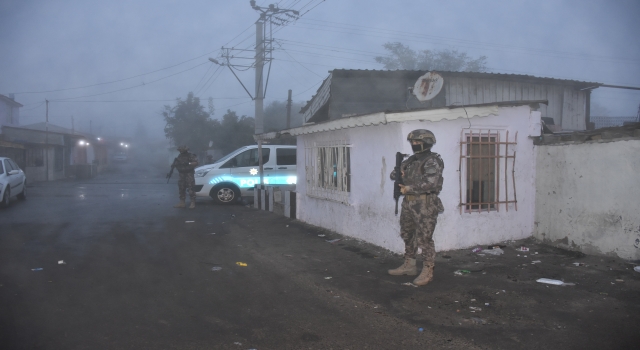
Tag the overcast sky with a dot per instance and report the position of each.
(117, 62)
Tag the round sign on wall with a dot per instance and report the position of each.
(428, 86)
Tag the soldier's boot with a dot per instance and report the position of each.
(193, 204)
(425, 276)
(180, 205)
(408, 268)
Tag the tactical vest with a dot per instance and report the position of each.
(182, 163)
(414, 170)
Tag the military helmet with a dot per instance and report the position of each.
(183, 148)
(423, 135)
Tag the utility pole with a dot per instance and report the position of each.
(259, 99)
(289, 110)
(46, 142)
(266, 16)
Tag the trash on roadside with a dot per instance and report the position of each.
(475, 308)
(619, 280)
(475, 250)
(536, 262)
(189, 221)
(420, 329)
(288, 255)
(328, 278)
(461, 272)
(237, 343)
(486, 304)
(409, 284)
(321, 235)
(61, 262)
(523, 249)
(477, 320)
(216, 268)
(578, 264)
(636, 269)
(496, 246)
(554, 282)
(495, 251)
(334, 240)
(239, 263)
(287, 226)
(37, 269)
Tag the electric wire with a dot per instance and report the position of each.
(131, 87)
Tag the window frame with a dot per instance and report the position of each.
(503, 154)
(320, 159)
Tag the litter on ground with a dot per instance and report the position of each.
(239, 263)
(409, 284)
(334, 240)
(495, 251)
(554, 282)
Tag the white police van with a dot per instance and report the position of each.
(235, 174)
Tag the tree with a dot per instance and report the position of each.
(275, 116)
(233, 132)
(189, 124)
(403, 57)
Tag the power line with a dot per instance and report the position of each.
(114, 81)
(131, 87)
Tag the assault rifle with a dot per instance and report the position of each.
(173, 166)
(398, 182)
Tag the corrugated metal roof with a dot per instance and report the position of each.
(516, 77)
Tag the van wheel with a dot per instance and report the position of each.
(23, 195)
(6, 198)
(225, 194)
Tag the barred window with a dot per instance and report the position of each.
(328, 169)
(486, 167)
(35, 157)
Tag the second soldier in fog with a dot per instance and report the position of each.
(185, 163)
(422, 177)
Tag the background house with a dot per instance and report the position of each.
(353, 92)
(344, 184)
(9, 111)
(53, 152)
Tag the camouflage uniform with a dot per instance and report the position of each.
(421, 205)
(186, 180)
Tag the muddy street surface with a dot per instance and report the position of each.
(108, 263)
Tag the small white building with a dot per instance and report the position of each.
(489, 175)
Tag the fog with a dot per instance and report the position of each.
(112, 66)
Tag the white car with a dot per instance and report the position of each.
(13, 181)
(235, 174)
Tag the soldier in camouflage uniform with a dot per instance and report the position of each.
(186, 163)
(422, 177)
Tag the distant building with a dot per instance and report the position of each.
(347, 93)
(607, 122)
(9, 111)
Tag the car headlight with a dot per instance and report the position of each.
(201, 173)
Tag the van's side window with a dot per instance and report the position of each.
(286, 156)
(247, 158)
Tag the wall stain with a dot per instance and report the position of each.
(383, 174)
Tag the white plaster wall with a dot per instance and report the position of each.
(588, 197)
(370, 213)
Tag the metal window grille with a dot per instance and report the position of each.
(328, 171)
(35, 157)
(487, 170)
